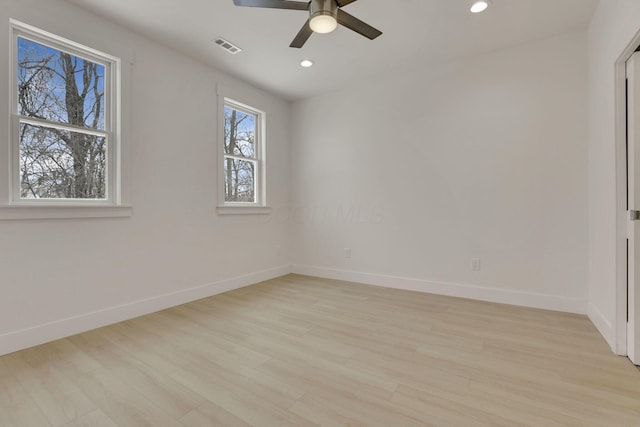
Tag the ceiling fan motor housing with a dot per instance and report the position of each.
(323, 7)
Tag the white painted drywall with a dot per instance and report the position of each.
(420, 171)
(612, 28)
(58, 277)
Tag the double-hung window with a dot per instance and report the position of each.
(242, 168)
(64, 122)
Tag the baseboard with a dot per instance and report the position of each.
(40, 334)
(503, 296)
(25, 338)
(603, 325)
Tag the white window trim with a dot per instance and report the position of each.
(259, 207)
(13, 207)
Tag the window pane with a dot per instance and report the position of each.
(239, 133)
(59, 87)
(239, 180)
(58, 164)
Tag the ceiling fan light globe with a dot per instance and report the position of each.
(323, 24)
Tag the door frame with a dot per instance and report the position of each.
(621, 196)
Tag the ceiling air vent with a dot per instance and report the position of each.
(227, 45)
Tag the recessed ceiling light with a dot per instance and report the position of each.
(479, 6)
(306, 63)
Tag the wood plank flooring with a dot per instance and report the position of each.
(300, 351)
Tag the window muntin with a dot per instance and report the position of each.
(242, 160)
(63, 147)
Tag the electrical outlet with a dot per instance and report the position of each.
(475, 264)
(347, 253)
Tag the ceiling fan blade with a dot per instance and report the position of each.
(273, 4)
(302, 37)
(343, 3)
(353, 23)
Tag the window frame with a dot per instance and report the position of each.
(112, 205)
(259, 206)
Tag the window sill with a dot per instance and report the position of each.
(18, 212)
(243, 210)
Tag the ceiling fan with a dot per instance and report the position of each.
(324, 17)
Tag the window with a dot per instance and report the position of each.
(64, 122)
(242, 180)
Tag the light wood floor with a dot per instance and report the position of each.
(298, 351)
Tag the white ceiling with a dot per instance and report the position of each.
(427, 31)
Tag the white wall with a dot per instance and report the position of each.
(423, 170)
(612, 28)
(60, 277)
